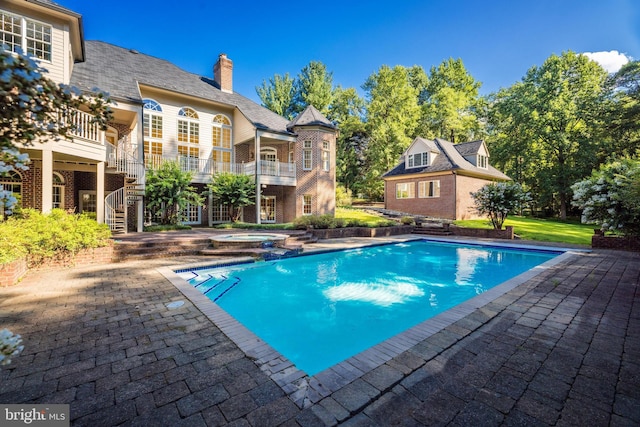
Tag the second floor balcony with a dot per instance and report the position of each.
(271, 172)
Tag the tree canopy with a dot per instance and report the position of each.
(233, 191)
(168, 192)
(552, 128)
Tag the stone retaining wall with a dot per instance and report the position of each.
(335, 233)
(613, 242)
(507, 233)
(11, 273)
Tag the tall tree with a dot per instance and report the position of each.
(313, 86)
(511, 144)
(450, 103)
(622, 114)
(392, 116)
(347, 112)
(277, 95)
(557, 107)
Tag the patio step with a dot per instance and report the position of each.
(433, 230)
(158, 249)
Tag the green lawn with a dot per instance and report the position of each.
(544, 230)
(359, 215)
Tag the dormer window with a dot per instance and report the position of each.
(418, 160)
(31, 36)
(483, 161)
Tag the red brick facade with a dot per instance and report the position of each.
(316, 182)
(454, 202)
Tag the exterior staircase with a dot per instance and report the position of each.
(116, 203)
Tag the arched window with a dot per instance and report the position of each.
(188, 126)
(58, 190)
(152, 132)
(221, 140)
(221, 132)
(268, 161)
(188, 138)
(13, 183)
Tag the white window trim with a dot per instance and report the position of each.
(304, 196)
(81, 193)
(423, 189)
(23, 33)
(266, 220)
(307, 149)
(410, 190)
(424, 157)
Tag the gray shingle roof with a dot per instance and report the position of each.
(449, 159)
(53, 5)
(119, 72)
(311, 117)
(469, 148)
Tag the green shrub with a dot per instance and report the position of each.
(167, 227)
(57, 234)
(343, 197)
(407, 220)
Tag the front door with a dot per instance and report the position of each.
(268, 209)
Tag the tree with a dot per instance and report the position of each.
(35, 108)
(392, 116)
(610, 197)
(346, 111)
(557, 109)
(313, 86)
(622, 113)
(497, 200)
(168, 192)
(233, 191)
(450, 103)
(277, 95)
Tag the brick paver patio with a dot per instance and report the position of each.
(561, 349)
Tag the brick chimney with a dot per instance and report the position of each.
(223, 73)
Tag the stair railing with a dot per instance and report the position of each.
(114, 203)
(133, 168)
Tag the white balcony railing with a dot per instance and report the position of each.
(84, 128)
(209, 167)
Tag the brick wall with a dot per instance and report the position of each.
(611, 242)
(465, 185)
(437, 207)
(454, 202)
(11, 272)
(318, 183)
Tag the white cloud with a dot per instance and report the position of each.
(611, 61)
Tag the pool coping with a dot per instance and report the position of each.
(305, 390)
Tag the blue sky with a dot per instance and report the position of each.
(497, 40)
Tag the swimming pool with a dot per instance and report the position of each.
(319, 310)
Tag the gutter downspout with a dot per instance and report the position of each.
(455, 195)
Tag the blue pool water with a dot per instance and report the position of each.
(318, 310)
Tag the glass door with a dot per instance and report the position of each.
(268, 209)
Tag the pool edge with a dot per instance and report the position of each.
(306, 390)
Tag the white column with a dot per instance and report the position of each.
(257, 168)
(47, 180)
(100, 193)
